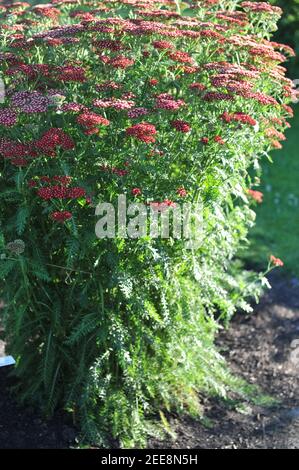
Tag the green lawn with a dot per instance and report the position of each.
(277, 229)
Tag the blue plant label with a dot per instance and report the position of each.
(7, 361)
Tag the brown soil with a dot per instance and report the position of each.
(258, 348)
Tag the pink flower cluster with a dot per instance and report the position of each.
(8, 117)
(166, 101)
(30, 102)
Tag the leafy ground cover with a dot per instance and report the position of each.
(257, 348)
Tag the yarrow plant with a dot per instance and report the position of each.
(163, 102)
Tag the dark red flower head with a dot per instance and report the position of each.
(181, 126)
(61, 216)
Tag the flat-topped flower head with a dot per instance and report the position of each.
(181, 126)
(8, 117)
(30, 102)
(144, 131)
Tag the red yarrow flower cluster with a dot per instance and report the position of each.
(61, 216)
(182, 192)
(52, 139)
(73, 107)
(197, 87)
(276, 261)
(162, 45)
(256, 195)
(111, 45)
(218, 139)
(137, 112)
(114, 170)
(261, 7)
(136, 192)
(166, 101)
(115, 103)
(180, 56)
(31, 71)
(60, 192)
(10, 149)
(153, 81)
(217, 96)
(120, 62)
(19, 162)
(162, 206)
(71, 73)
(62, 179)
(144, 131)
(48, 12)
(238, 117)
(91, 122)
(181, 126)
(110, 85)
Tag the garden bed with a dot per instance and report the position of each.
(132, 140)
(257, 348)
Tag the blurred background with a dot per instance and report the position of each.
(277, 228)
